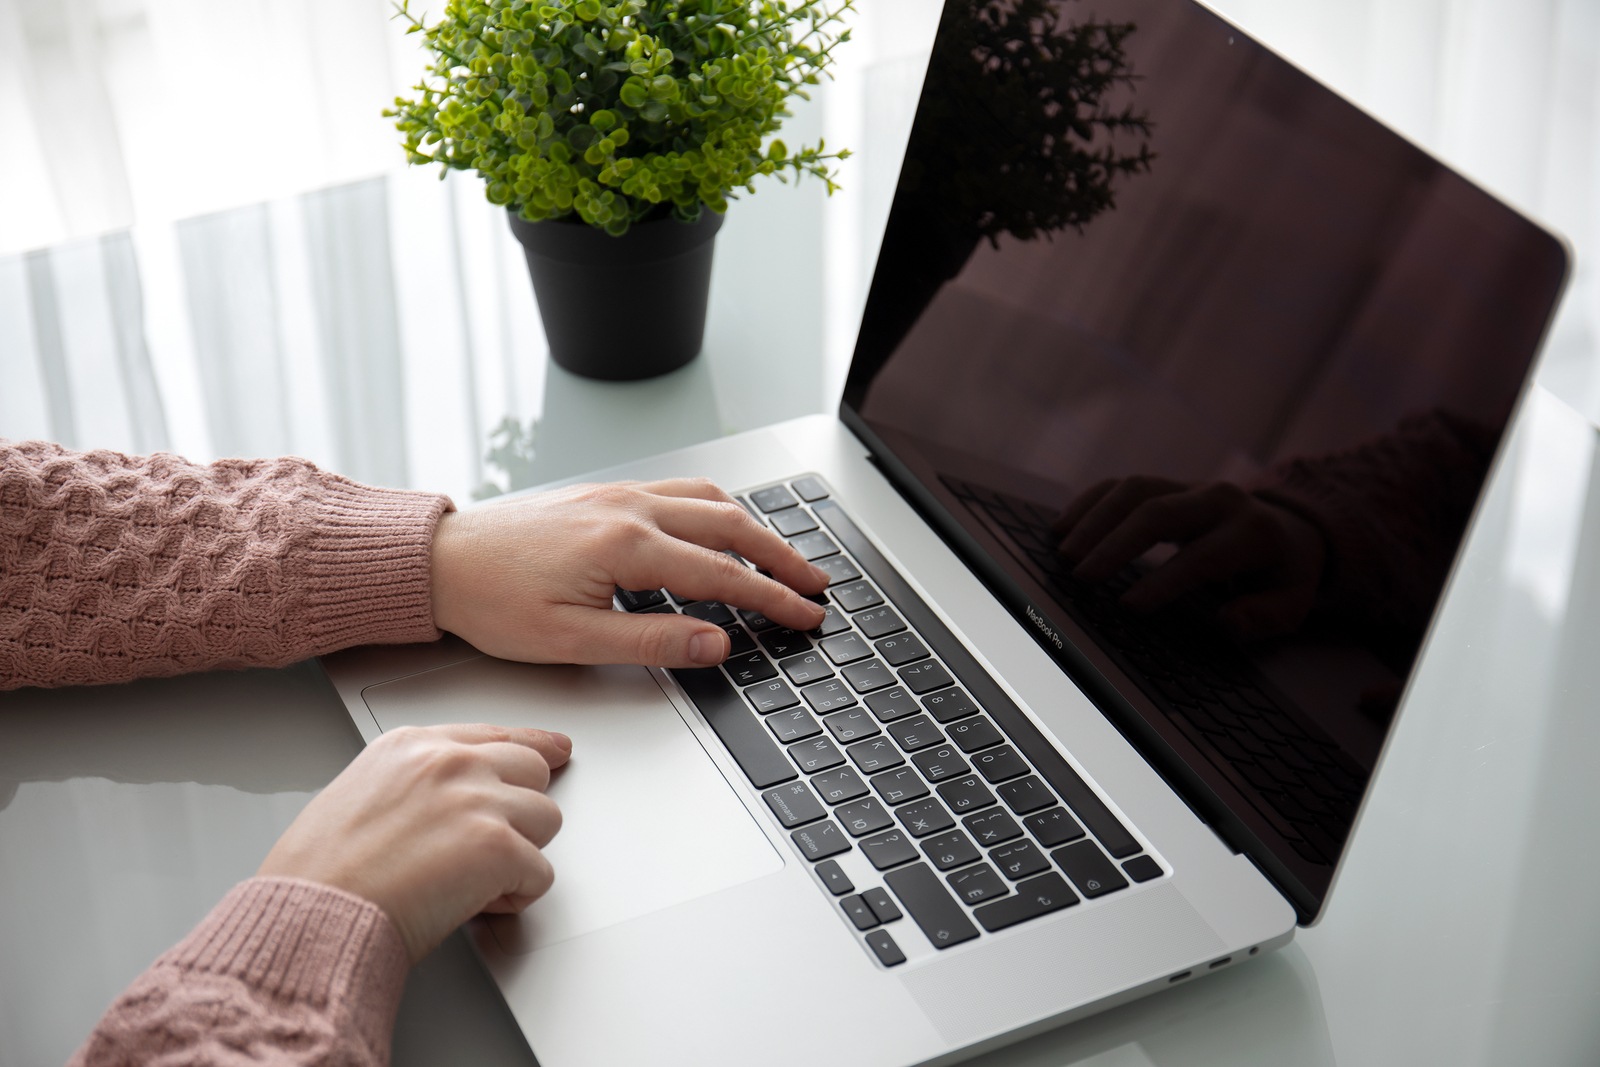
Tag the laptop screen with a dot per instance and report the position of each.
(1204, 370)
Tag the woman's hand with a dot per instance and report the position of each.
(532, 578)
(1224, 535)
(433, 825)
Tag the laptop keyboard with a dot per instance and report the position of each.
(1297, 776)
(879, 735)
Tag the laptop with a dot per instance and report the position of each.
(1175, 392)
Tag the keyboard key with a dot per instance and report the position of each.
(877, 754)
(793, 521)
(846, 648)
(750, 668)
(852, 725)
(1142, 868)
(880, 622)
(783, 642)
(924, 817)
(1033, 898)
(1019, 860)
(1000, 764)
(739, 640)
(901, 649)
(794, 804)
(935, 911)
(975, 733)
(853, 596)
(809, 667)
(859, 912)
(834, 695)
(796, 724)
(915, 733)
(821, 840)
(833, 621)
(1025, 795)
(814, 546)
(966, 794)
(1090, 871)
(882, 904)
(952, 849)
(834, 878)
(838, 568)
(865, 816)
(738, 728)
(636, 599)
(840, 785)
(881, 942)
(774, 498)
(710, 611)
(925, 676)
(1053, 827)
(815, 755)
(899, 786)
(949, 705)
(867, 676)
(973, 885)
(992, 827)
(888, 849)
(755, 620)
(891, 704)
(810, 488)
(941, 762)
(771, 696)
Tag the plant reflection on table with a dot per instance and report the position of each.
(1031, 135)
(511, 451)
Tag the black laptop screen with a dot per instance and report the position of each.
(1205, 369)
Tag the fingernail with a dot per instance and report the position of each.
(708, 648)
(562, 740)
(821, 575)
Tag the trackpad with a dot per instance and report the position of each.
(648, 820)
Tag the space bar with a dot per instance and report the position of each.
(762, 761)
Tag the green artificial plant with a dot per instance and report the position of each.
(617, 112)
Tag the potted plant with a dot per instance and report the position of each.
(615, 134)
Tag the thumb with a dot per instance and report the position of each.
(659, 640)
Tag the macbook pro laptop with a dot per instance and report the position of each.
(1177, 387)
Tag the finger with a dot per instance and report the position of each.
(527, 877)
(720, 525)
(554, 747)
(1110, 511)
(520, 765)
(665, 639)
(703, 574)
(699, 488)
(1169, 517)
(1075, 511)
(533, 815)
(1215, 557)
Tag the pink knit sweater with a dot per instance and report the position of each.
(116, 567)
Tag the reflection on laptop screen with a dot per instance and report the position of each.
(1206, 369)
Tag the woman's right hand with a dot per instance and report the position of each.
(433, 825)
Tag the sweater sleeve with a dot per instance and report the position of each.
(115, 567)
(281, 972)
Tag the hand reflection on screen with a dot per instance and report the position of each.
(1269, 558)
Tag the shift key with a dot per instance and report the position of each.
(924, 895)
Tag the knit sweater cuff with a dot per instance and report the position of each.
(302, 942)
(367, 565)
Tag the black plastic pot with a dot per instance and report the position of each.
(621, 308)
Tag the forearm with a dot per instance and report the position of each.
(281, 972)
(114, 567)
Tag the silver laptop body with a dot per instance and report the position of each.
(1212, 245)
